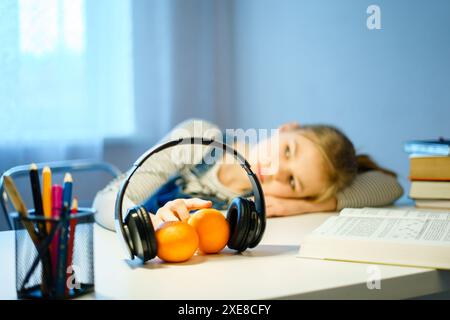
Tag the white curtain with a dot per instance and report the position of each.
(98, 69)
(106, 79)
(65, 78)
(183, 62)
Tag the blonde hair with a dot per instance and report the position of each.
(342, 163)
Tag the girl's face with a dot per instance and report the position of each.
(289, 165)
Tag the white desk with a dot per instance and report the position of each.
(271, 270)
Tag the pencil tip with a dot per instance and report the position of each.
(33, 166)
(74, 203)
(68, 177)
(46, 169)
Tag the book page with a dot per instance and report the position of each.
(432, 231)
(395, 213)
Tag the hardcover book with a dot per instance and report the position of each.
(431, 147)
(383, 236)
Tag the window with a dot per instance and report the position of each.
(65, 70)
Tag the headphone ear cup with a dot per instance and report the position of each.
(151, 236)
(239, 219)
(141, 233)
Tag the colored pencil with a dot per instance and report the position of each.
(56, 213)
(47, 195)
(19, 205)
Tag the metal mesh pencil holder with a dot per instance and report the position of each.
(59, 265)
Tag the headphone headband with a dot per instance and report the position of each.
(257, 190)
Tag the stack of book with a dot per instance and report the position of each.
(430, 173)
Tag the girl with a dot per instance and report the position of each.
(316, 170)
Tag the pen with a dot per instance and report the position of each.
(37, 198)
(64, 236)
(39, 212)
(47, 195)
(18, 204)
(73, 224)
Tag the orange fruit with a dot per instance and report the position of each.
(177, 241)
(212, 229)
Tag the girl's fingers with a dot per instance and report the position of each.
(180, 210)
(197, 203)
(165, 214)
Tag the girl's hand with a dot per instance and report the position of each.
(282, 207)
(178, 209)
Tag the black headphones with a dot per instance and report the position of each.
(247, 219)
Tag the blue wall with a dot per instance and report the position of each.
(316, 61)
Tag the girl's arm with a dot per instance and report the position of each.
(370, 189)
(155, 172)
(280, 207)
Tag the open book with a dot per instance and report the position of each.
(384, 236)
